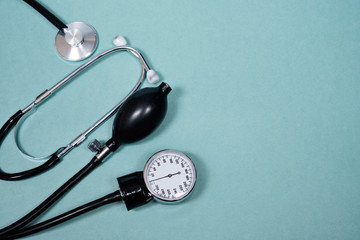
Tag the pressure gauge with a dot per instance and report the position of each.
(170, 176)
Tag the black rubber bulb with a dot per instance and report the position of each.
(139, 115)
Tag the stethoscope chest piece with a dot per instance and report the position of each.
(77, 42)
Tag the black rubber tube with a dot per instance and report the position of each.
(51, 199)
(110, 198)
(10, 124)
(4, 131)
(30, 173)
(47, 14)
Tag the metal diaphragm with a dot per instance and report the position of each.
(77, 42)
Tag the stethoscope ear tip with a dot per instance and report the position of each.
(152, 76)
(119, 41)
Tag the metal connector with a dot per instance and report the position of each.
(103, 153)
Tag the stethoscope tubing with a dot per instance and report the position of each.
(47, 14)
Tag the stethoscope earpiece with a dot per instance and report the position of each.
(152, 76)
(119, 41)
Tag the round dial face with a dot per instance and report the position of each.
(170, 175)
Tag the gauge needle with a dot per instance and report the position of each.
(169, 175)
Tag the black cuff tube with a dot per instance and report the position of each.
(51, 199)
(47, 14)
(4, 131)
(110, 198)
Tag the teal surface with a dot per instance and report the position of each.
(265, 100)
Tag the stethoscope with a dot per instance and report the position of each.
(54, 158)
(74, 41)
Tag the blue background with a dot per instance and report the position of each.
(265, 100)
